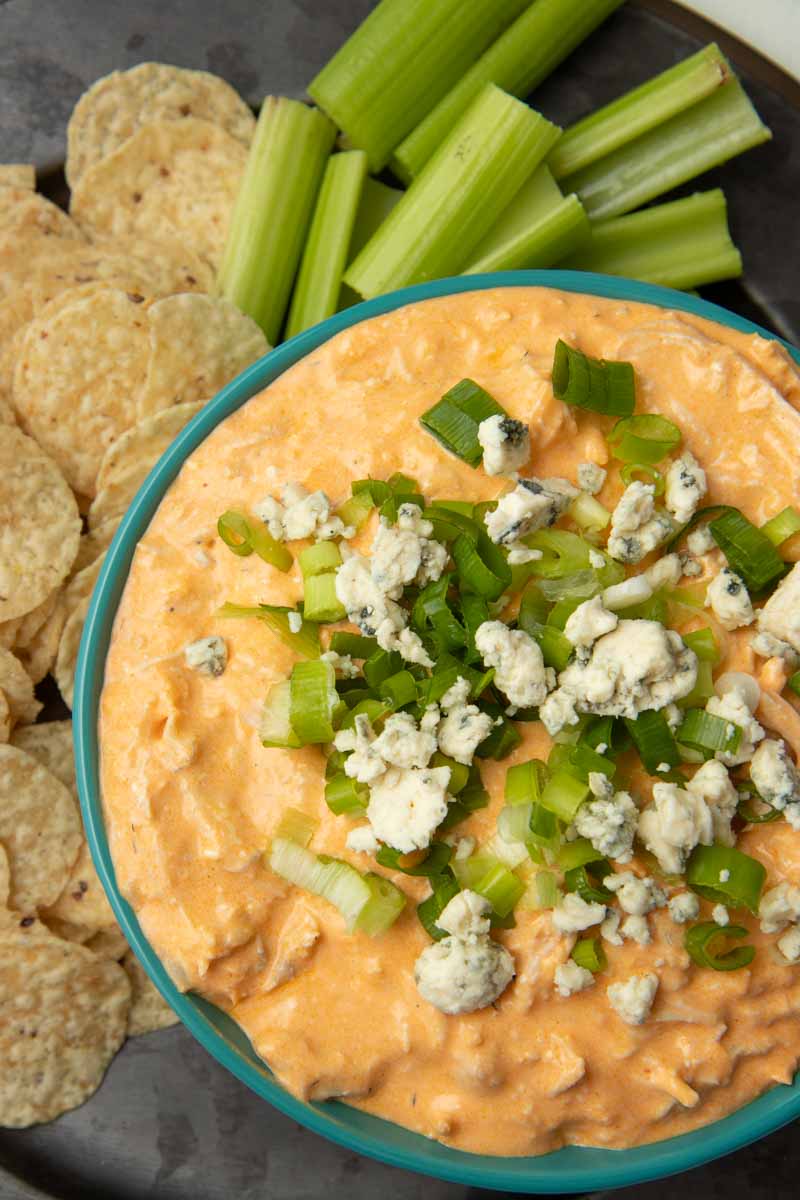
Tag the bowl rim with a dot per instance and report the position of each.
(569, 1169)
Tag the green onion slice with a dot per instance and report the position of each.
(298, 826)
(749, 552)
(275, 728)
(399, 690)
(313, 701)
(747, 805)
(356, 645)
(443, 888)
(320, 601)
(384, 906)
(743, 876)
(782, 526)
(708, 733)
(454, 419)
(482, 566)
(591, 383)
(276, 618)
(705, 945)
(577, 854)
(645, 438)
(587, 881)
(564, 794)
(654, 741)
(346, 795)
(702, 514)
(331, 878)
(501, 741)
(492, 879)
(319, 559)
(704, 644)
(433, 863)
(589, 953)
(640, 472)
(525, 782)
(242, 535)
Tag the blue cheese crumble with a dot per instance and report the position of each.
(685, 487)
(207, 656)
(519, 670)
(506, 444)
(636, 525)
(729, 600)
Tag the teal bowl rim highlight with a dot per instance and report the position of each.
(571, 1169)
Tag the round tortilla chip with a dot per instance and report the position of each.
(24, 211)
(117, 105)
(95, 541)
(173, 180)
(17, 686)
(5, 878)
(40, 526)
(83, 901)
(78, 376)
(68, 647)
(5, 718)
(29, 625)
(39, 655)
(149, 1009)
(164, 267)
(137, 451)
(197, 345)
(108, 943)
(50, 744)
(63, 1016)
(40, 829)
(18, 175)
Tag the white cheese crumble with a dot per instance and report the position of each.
(300, 514)
(533, 504)
(458, 975)
(789, 945)
(600, 785)
(684, 907)
(640, 665)
(363, 763)
(666, 572)
(637, 896)
(685, 487)
(635, 590)
(588, 622)
(729, 600)
(720, 915)
(674, 824)
(609, 930)
(207, 656)
(574, 914)
(406, 805)
(734, 706)
(780, 616)
(506, 444)
(295, 621)
(519, 670)
(362, 840)
(402, 743)
(343, 663)
(636, 526)
(636, 929)
(712, 783)
(777, 779)
(610, 824)
(768, 646)
(701, 541)
(570, 978)
(591, 477)
(465, 915)
(370, 608)
(779, 907)
(464, 726)
(404, 553)
(632, 998)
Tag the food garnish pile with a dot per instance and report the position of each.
(195, 237)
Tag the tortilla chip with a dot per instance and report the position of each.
(17, 686)
(96, 540)
(40, 829)
(68, 931)
(108, 943)
(78, 376)
(50, 744)
(163, 267)
(5, 718)
(83, 901)
(68, 647)
(24, 211)
(63, 1016)
(18, 175)
(29, 625)
(116, 106)
(39, 654)
(197, 345)
(40, 526)
(5, 878)
(173, 180)
(149, 1009)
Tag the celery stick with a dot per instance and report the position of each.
(705, 135)
(400, 62)
(273, 209)
(539, 227)
(682, 244)
(640, 110)
(377, 201)
(518, 61)
(470, 180)
(325, 257)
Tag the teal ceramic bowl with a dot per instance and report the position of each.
(568, 1170)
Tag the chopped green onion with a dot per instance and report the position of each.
(331, 878)
(577, 854)
(747, 810)
(525, 782)
(653, 739)
(443, 888)
(564, 794)
(543, 833)
(474, 611)
(470, 180)
(580, 760)
(482, 566)
(356, 510)
(376, 489)
(640, 110)
(399, 690)
(724, 875)
(270, 219)
(556, 648)
(704, 944)
(571, 588)
(462, 507)
(563, 553)
(346, 795)
(703, 731)
(320, 602)
(374, 710)
(492, 879)
(782, 526)
(540, 38)
(681, 244)
(325, 255)
(587, 881)
(748, 550)
(473, 400)
(643, 473)
(513, 822)
(703, 643)
(275, 728)
(314, 701)
(319, 559)
(701, 515)
(644, 438)
(593, 383)
(454, 421)
(242, 535)
(353, 644)
(432, 863)
(384, 906)
(704, 136)
(539, 228)
(297, 826)
(501, 741)
(589, 514)
(459, 772)
(276, 618)
(447, 524)
(381, 665)
(703, 689)
(546, 889)
(589, 954)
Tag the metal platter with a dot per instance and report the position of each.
(169, 1123)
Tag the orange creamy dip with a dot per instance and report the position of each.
(192, 798)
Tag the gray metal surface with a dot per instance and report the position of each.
(169, 1123)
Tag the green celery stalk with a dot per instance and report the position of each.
(539, 227)
(540, 38)
(682, 244)
(377, 201)
(702, 137)
(470, 180)
(319, 281)
(273, 209)
(400, 62)
(640, 110)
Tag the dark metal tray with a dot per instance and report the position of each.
(169, 1123)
